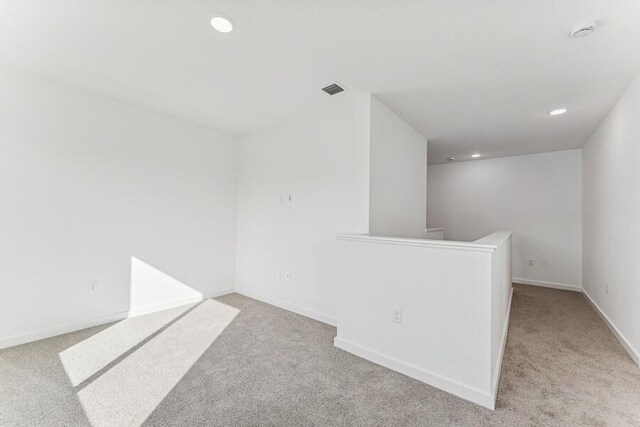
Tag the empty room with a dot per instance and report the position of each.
(319, 213)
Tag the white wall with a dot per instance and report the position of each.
(398, 175)
(86, 184)
(535, 196)
(611, 218)
(321, 161)
(454, 302)
(501, 292)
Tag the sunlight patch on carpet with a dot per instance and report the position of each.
(129, 392)
(91, 355)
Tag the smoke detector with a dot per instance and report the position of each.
(584, 29)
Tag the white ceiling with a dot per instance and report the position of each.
(474, 75)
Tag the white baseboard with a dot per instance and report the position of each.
(446, 384)
(222, 292)
(59, 330)
(320, 317)
(633, 353)
(84, 324)
(505, 334)
(178, 302)
(551, 285)
(165, 305)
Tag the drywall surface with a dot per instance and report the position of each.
(300, 184)
(536, 197)
(611, 218)
(398, 175)
(501, 292)
(89, 184)
(433, 310)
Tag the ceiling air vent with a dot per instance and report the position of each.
(332, 89)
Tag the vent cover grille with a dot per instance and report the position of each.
(333, 89)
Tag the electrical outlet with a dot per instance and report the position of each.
(606, 288)
(92, 285)
(530, 262)
(287, 275)
(397, 315)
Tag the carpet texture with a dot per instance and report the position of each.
(270, 367)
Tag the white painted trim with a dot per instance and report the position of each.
(633, 353)
(428, 230)
(493, 239)
(505, 333)
(60, 330)
(165, 305)
(84, 324)
(446, 384)
(405, 241)
(574, 288)
(222, 292)
(320, 317)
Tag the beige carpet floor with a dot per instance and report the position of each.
(270, 367)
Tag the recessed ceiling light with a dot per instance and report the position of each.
(584, 29)
(476, 155)
(557, 112)
(222, 24)
(450, 159)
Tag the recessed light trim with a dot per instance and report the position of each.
(557, 111)
(584, 29)
(451, 159)
(476, 155)
(222, 24)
